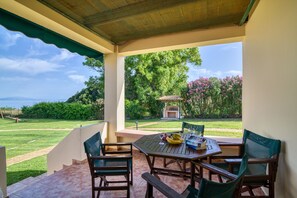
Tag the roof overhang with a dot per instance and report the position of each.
(221, 25)
(172, 98)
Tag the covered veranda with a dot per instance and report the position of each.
(75, 181)
(121, 28)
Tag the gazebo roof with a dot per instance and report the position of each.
(172, 98)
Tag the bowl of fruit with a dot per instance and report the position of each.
(174, 138)
(163, 137)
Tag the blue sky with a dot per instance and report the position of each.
(33, 69)
(218, 61)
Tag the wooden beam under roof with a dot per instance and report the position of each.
(231, 20)
(132, 10)
(183, 40)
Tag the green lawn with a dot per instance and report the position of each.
(18, 141)
(224, 134)
(209, 123)
(131, 123)
(43, 124)
(29, 168)
(22, 142)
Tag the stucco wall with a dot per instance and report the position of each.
(71, 147)
(3, 171)
(270, 83)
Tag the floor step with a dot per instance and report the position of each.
(24, 183)
(12, 189)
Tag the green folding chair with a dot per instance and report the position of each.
(208, 189)
(104, 164)
(193, 128)
(263, 156)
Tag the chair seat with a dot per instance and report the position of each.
(190, 192)
(111, 163)
(251, 170)
(225, 166)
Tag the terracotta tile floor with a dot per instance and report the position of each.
(75, 181)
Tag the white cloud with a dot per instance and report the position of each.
(209, 73)
(195, 73)
(71, 72)
(78, 78)
(15, 78)
(234, 73)
(28, 65)
(37, 48)
(230, 46)
(64, 55)
(51, 79)
(35, 51)
(206, 73)
(8, 39)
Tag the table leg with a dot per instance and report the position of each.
(148, 159)
(192, 174)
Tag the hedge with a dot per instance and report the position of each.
(213, 97)
(62, 110)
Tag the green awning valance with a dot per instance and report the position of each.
(33, 30)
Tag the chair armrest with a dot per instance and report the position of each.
(119, 151)
(160, 186)
(118, 144)
(230, 144)
(251, 161)
(111, 158)
(216, 170)
(115, 158)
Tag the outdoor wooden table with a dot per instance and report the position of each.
(152, 146)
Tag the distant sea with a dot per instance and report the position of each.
(18, 104)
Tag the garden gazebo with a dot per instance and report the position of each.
(171, 111)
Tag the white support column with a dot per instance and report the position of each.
(114, 90)
(3, 183)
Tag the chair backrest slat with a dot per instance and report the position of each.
(93, 145)
(210, 189)
(257, 146)
(197, 129)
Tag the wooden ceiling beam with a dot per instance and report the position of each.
(182, 27)
(183, 40)
(132, 11)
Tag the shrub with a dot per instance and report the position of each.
(98, 109)
(134, 110)
(213, 97)
(58, 110)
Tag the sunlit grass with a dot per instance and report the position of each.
(22, 142)
(6, 124)
(23, 170)
(209, 123)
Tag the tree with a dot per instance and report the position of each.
(147, 77)
(94, 86)
(150, 76)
